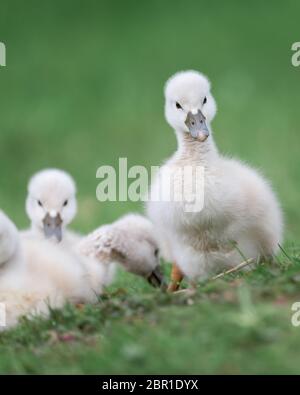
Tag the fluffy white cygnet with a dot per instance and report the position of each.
(51, 206)
(36, 274)
(130, 242)
(240, 217)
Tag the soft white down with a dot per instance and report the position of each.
(36, 274)
(241, 217)
(130, 242)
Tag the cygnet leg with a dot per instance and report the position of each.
(176, 278)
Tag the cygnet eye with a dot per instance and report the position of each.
(156, 252)
(178, 106)
(65, 203)
(40, 203)
(205, 100)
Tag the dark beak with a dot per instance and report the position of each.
(156, 278)
(52, 227)
(197, 126)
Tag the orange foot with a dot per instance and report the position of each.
(176, 278)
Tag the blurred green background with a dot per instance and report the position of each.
(84, 82)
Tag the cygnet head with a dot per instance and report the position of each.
(51, 202)
(138, 249)
(130, 241)
(9, 239)
(189, 104)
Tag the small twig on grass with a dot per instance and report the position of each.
(234, 269)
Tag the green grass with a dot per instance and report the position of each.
(241, 324)
(83, 87)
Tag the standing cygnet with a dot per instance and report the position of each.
(240, 215)
(36, 274)
(51, 206)
(129, 241)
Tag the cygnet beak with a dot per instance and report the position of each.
(156, 278)
(53, 227)
(197, 126)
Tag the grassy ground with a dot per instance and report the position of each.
(240, 324)
(83, 87)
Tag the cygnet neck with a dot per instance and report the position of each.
(193, 150)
